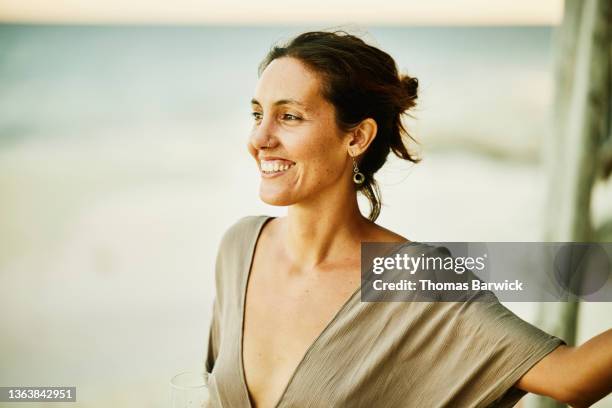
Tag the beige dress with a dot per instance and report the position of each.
(377, 354)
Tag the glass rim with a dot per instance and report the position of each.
(204, 374)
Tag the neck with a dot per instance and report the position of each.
(316, 232)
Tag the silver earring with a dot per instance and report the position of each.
(358, 177)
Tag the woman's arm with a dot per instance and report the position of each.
(578, 376)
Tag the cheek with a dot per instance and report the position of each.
(321, 159)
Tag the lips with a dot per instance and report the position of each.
(273, 158)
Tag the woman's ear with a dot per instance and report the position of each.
(362, 136)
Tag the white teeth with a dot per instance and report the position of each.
(274, 166)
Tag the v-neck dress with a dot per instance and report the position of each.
(377, 354)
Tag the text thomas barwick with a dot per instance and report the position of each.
(428, 285)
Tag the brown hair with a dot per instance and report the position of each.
(361, 81)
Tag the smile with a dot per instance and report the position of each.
(275, 167)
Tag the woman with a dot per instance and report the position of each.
(288, 328)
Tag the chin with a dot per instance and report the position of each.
(276, 199)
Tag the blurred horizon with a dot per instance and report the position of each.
(124, 77)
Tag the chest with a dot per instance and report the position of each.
(285, 313)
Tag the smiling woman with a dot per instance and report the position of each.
(313, 98)
(288, 327)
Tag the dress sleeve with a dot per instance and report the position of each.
(488, 348)
(213, 339)
(504, 348)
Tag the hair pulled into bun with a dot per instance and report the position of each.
(411, 87)
(361, 81)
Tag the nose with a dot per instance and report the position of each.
(262, 135)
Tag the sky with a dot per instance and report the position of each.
(261, 12)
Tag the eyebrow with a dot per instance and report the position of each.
(282, 102)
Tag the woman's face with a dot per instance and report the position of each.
(308, 152)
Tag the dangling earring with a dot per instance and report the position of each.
(358, 177)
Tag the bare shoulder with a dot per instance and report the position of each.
(382, 234)
(269, 235)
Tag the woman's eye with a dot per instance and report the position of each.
(256, 115)
(288, 116)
